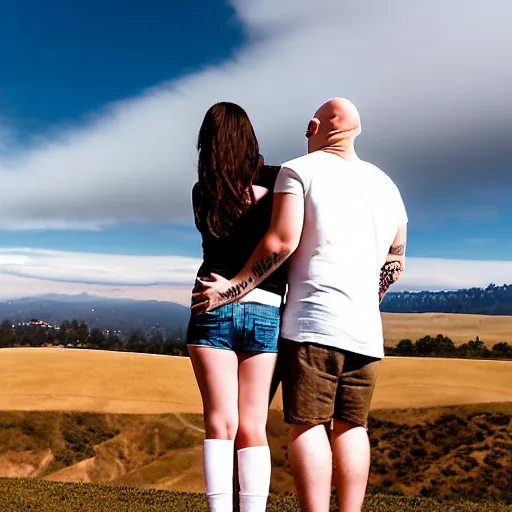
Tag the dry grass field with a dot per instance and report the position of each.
(52, 379)
(48, 379)
(460, 328)
(144, 436)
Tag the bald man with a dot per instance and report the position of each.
(341, 223)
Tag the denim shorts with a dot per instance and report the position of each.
(242, 327)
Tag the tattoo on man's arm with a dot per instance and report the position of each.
(260, 268)
(236, 290)
(389, 273)
(397, 250)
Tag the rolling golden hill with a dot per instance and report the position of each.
(120, 419)
(460, 328)
(53, 379)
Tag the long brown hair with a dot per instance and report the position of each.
(229, 159)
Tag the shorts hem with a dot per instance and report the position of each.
(305, 421)
(258, 351)
(235, 349)
(207, 345)
(351, 421)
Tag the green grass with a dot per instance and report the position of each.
(27, 495)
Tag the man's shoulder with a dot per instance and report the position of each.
(383, 185)
(373, 168)
(300, 163)
(378, 173)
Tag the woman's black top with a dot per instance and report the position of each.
(227, 255)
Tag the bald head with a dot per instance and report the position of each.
(334, 124)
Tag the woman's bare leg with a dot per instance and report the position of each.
(216, 372)
(254, 465)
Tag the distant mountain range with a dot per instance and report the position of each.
(103, 313)
(493, 300)
(129, 315)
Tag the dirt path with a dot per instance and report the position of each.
(45, 462)
(187, 424)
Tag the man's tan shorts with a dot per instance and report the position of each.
(321, 383)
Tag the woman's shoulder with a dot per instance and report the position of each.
(196, 199)
(196, 196)
(267, 176)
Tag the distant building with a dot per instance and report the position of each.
(38, 323)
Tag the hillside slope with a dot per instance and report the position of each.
(52, 379)
(430, 452)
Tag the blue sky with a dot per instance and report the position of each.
(63, 60)
(100, 105)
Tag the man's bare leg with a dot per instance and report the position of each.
(311, 464)
(351, 452)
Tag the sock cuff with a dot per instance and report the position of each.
(254, 449)
(220, 442)
(218, 459)
(254, 469)
(257, 451)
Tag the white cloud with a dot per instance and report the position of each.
(428, 77)
(14, 287)
(97, 268)
(25, 271)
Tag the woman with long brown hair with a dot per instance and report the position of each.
(234, 348)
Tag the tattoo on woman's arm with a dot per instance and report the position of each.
(237, 289)
(260, 268)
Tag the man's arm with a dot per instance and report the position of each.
(280, 241)
(395, 262)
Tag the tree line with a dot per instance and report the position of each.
(75, 334)
(493, 300)
(442, 346)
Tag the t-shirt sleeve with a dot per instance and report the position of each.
(290, 182)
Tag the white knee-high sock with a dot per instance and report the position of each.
(218, 457)
(254, 469)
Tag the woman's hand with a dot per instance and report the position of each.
(209, 293)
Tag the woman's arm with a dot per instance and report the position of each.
(280, 241)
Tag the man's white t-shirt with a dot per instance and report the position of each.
(352, 212)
